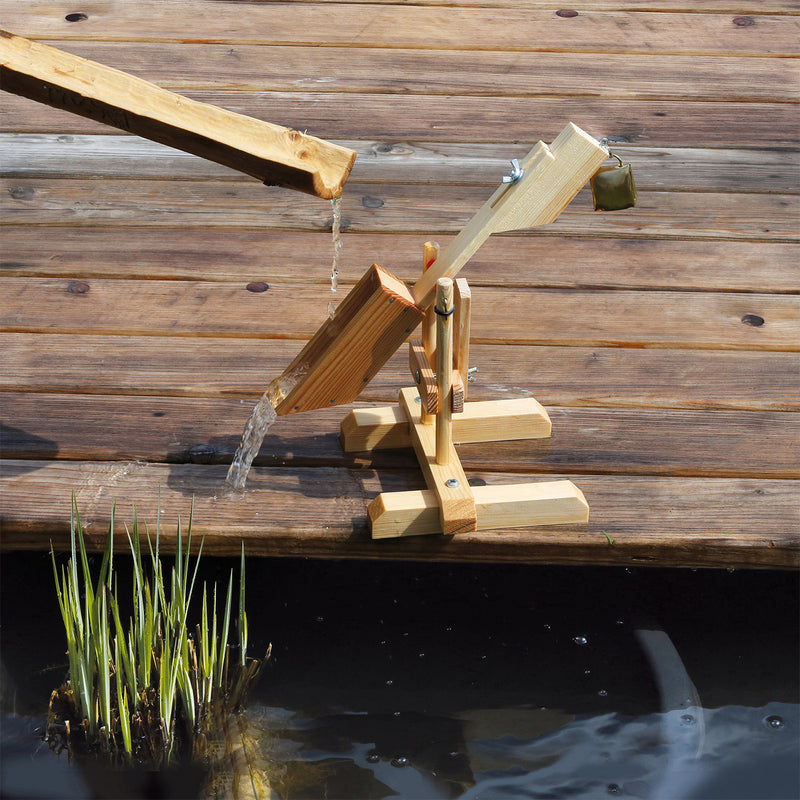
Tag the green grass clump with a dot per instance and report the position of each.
(143, 688)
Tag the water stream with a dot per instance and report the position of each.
(260, 421)
(336, 232)
(257, 425)
(264, 414)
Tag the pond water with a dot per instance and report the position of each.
(427, 681)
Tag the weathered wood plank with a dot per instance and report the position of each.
(351, 115)
(730, 321)
(182, 67)
(297, 256)
(709, 6)
(321, 513)
(412, 26)
(558, 376)
(31, 155)
(615, 441)
(427, 210)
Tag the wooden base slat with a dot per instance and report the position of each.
(488, 421)
(415, 513)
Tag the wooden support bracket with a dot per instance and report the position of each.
(415, 513)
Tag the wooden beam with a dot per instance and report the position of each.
(447, 480)
(415, 513)
(386, 427)
(273, 154)
(551, 178)
(424, 377)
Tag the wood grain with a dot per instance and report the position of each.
(241, 368)
(413, 26)
(548, 261)
(735, 523)
(574, 317)
(426, 210)
(583, 440)
(354, 115)
(182, 67)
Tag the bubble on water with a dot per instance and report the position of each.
(373, 757)
(580, 640)
(603, 693)
(688, 720)
(774, 722)
(400, 761)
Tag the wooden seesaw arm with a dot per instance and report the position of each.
(275, 155)
(380, 312)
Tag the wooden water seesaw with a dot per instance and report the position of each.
(380, 312)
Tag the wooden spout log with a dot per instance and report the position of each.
(275, 155)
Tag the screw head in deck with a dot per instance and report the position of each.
(451, 483)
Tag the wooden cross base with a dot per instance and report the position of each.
(432, 417)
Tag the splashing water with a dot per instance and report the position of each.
(256, 427)
(336, 232)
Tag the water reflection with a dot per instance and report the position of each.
(530, 753)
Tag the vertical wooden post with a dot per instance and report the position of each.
(462, 330)
(430, 252)
(444, 368)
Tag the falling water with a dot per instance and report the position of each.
(255, 430)
(336, 231)
(260, 421)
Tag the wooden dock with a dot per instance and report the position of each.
(150, 296)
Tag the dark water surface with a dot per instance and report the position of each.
(489, 682)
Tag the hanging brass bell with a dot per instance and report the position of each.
(613, 188)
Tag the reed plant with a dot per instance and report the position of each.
(141, 685)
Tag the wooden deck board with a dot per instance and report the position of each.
(663, 340)
(321, 513)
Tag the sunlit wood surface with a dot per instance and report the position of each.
(663, 340)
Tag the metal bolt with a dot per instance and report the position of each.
(417, 399)
(417, 376)
(451, 483)
(516, 172)
(471, 374)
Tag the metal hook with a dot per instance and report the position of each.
(516, 172)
